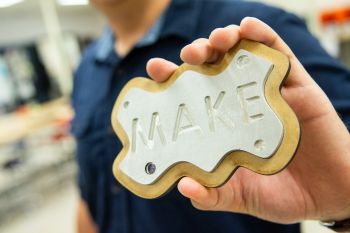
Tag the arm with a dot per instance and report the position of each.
(85, 223)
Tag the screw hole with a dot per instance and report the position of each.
(242, 61)
(259, 144)
(150, 168)
(126, 104)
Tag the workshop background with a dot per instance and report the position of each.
(40, 46)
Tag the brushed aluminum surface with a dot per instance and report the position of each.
(199, 119)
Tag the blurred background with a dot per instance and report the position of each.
(40, 46)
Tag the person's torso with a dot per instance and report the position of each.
(97, 85)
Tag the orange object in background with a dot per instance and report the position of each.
(338, 16)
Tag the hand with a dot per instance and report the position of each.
(316, 185)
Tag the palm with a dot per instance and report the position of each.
(280, 194)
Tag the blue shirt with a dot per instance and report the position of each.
(102, 74)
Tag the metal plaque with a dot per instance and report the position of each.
(198, 119)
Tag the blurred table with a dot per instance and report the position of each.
(15, 126)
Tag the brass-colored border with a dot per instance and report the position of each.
(235, 159)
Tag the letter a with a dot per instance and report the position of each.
(180, 125)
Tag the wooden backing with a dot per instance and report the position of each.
(232, 160)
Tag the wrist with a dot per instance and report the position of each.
(340, 223)
(338, 226)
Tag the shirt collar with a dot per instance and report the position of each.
(174, 21)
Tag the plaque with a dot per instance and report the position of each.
(206, 121)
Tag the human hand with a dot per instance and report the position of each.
(316, 184)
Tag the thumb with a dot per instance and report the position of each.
(225, 198)
(202, 198)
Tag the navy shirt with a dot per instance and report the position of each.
(102, 74)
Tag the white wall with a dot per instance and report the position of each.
(46, 24)
(24, 23)
(306, 6)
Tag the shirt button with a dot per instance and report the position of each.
(120, 72)
(115, 189)
(111, 130)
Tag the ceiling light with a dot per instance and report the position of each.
(7, 3)
(72, 2)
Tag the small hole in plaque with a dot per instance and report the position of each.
(259, 144)
(126, 104)
(242, 61)
(150, 168)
